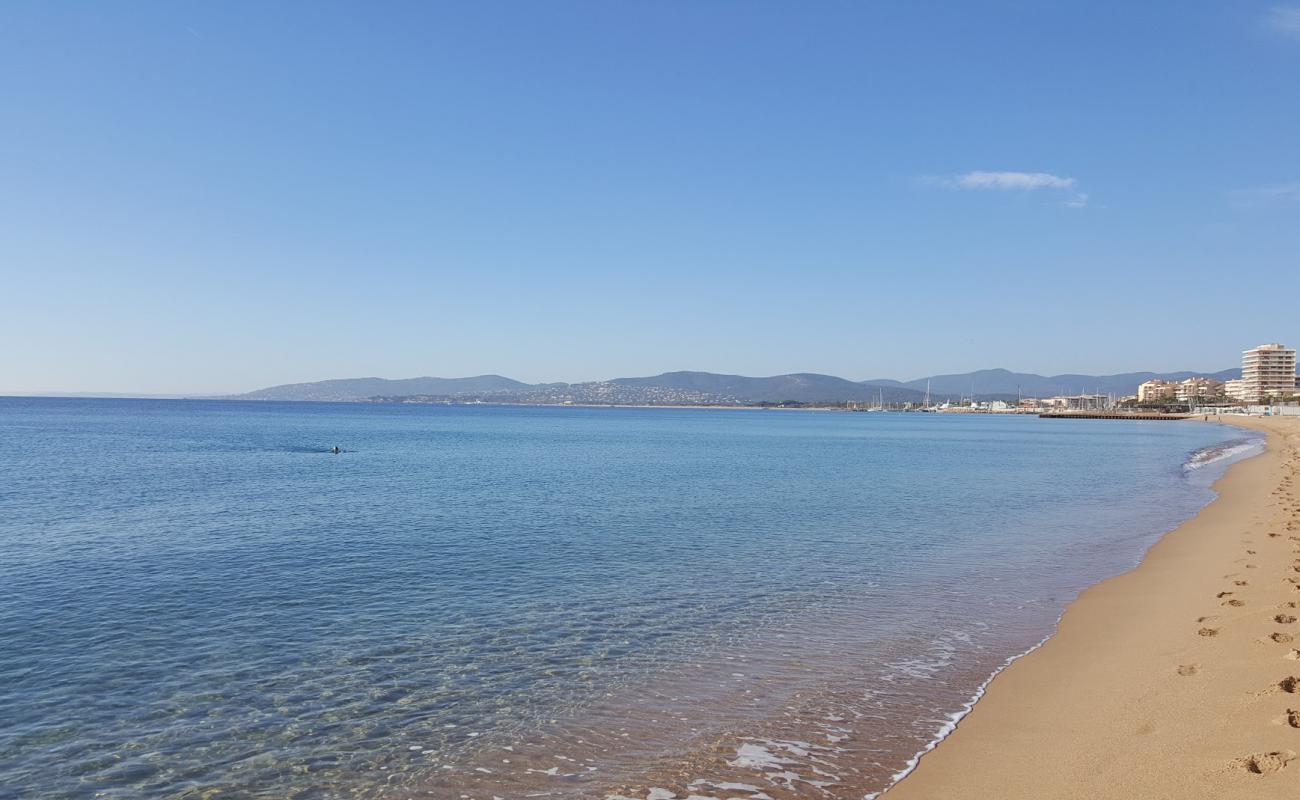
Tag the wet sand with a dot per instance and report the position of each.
(1179, 679)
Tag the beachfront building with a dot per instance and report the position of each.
(1234, 389)
(1194, 389)
(1268, 371)
(1158, 391)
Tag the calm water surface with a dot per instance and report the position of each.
(197, 600)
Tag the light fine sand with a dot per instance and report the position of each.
(1179, 679)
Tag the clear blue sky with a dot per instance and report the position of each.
(203, 197)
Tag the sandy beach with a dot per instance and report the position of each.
(1179, 679)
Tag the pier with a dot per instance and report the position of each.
(1108, 415)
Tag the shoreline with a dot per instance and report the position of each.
(1051, 721)
(955, 718)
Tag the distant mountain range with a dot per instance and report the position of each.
(803, 387)
(696, 388)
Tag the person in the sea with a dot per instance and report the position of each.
(336, 450)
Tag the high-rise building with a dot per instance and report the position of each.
(1268, 371)
(1235, 389)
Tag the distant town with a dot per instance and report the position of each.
(1268, 374)
(1268, 377)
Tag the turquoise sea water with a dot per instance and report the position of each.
(198, 600)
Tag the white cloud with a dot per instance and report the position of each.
(1017, 182)
(1010, 181)
(1285, 20)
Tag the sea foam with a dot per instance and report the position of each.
(1225, 450)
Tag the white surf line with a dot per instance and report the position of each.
(951, 725)
(1213, 455)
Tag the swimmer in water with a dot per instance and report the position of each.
(336, 450)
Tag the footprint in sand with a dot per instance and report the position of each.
(1282, 638)
(1235, 603)
(1240, 583)
(1293, 718)
(1294, 655)
(1189, 669)
(1284, 619)
(1265, 763)
(1222, 595)
(1208, 632)
(1289, 684)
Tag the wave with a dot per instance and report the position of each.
(950, 725)
(1224, 450)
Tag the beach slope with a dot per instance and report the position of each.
(1179, 679)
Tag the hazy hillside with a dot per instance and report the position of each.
(803, 387)
(361, 388)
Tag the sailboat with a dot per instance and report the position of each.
(880, 401)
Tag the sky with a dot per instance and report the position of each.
(204, 197)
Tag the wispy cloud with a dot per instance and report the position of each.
(1267, 195)
(1285, 20)
(1017, 182)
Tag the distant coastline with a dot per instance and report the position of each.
(694, 389)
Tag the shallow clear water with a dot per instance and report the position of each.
(198, 600)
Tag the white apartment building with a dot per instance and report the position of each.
(1234, 389)
(1198, 389)
(1157, 391)
(1268, 371)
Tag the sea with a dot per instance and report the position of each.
(198, 599)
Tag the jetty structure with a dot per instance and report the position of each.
(1139, 415)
